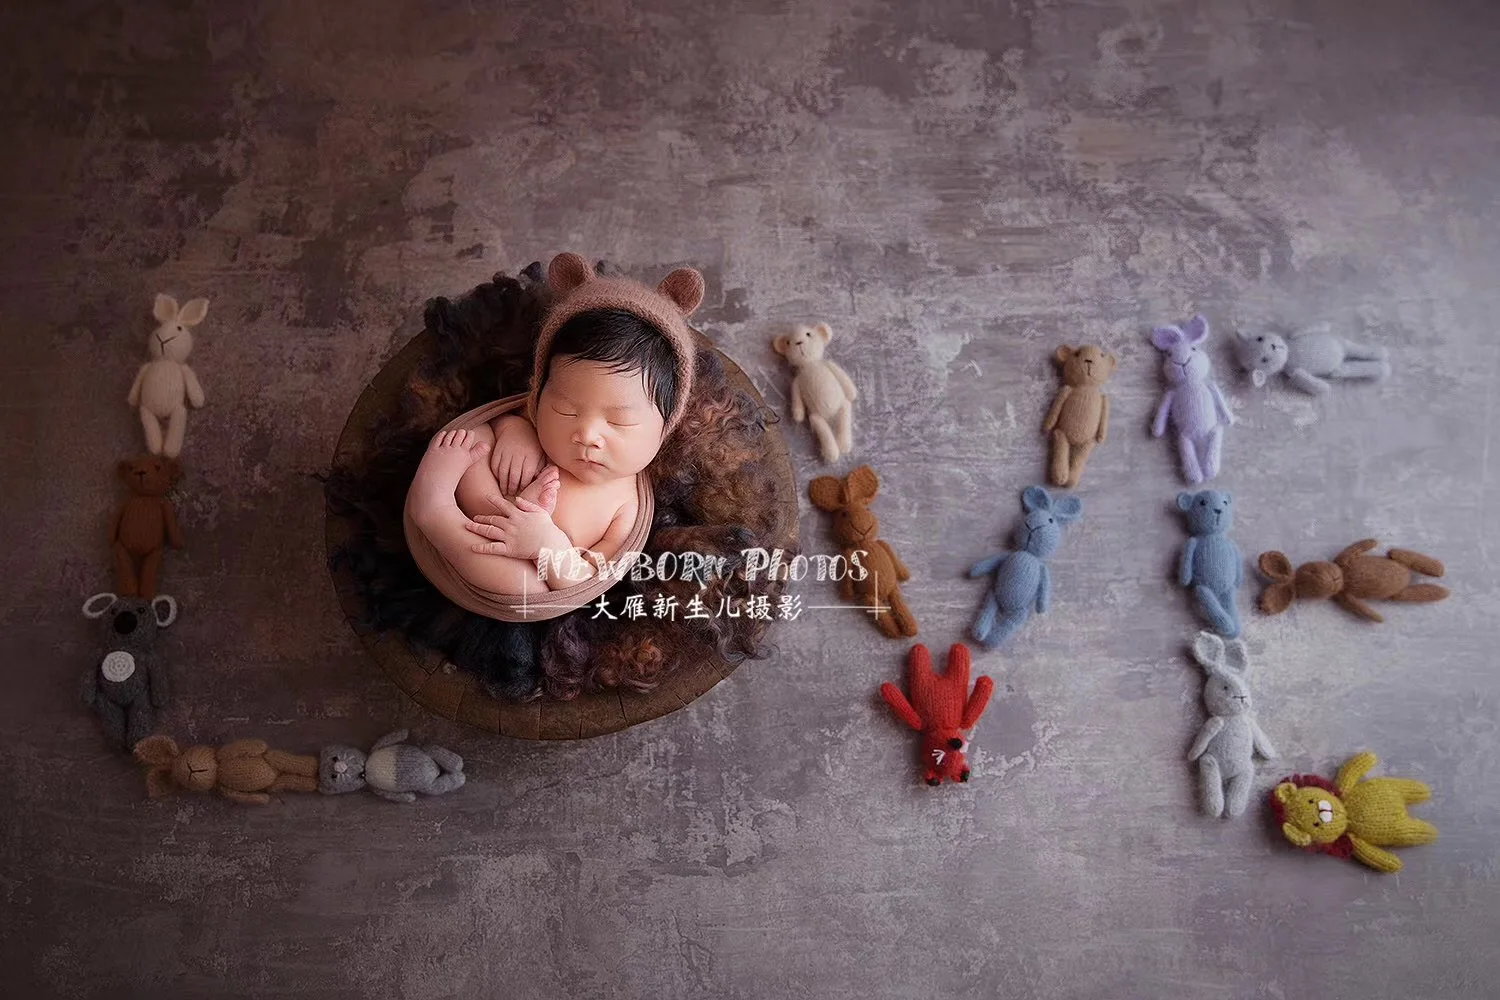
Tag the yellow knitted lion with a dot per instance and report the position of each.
(1350, 816)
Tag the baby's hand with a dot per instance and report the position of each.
(517, 456)
(521, 530)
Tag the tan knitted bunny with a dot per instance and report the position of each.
(821, 391)
(243, 770)
(165, 386)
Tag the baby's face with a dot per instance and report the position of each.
(595, 423)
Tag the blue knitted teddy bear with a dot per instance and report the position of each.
(1212, 567)
(1022, 580)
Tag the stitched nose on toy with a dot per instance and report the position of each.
(955, 744)
(339, 767)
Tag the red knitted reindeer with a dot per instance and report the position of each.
(941, 708)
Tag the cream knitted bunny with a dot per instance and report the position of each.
(165, 385)
(821, 391)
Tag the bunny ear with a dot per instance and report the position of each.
(1208, 650)
(158, 751)
(93, 609)
(826, 493)
(164, 309)
(193, 312)
(1197, 330)
(1275, 566)
(567, 271)
(1276, 598)
(863, 485)
(918, 664)
(683, 286)
(1035, 498)
(1068, 509)
(1164, 338)
(1237, 657)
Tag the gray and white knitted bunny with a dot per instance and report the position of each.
(1229, 740)
(392, 769)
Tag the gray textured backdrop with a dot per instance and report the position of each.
(956, 188)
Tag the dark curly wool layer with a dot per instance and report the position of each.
(715, 494)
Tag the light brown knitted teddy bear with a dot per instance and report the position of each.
(821, 391)
(243, 770)
(1079, 418)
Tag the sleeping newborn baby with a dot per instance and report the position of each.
(614, 367)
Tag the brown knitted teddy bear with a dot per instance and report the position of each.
(145, 524)
(856, 529)
(1079, 418)
(243, 771)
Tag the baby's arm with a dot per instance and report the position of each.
(607, 548)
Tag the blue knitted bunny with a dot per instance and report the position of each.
(1022, 580)
(1212, 568)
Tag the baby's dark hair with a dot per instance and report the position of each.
(627, 344)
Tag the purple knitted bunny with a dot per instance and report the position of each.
(1196, 406)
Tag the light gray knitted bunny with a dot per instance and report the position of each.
(392, 769)
(1229, 740)
(1309, 358)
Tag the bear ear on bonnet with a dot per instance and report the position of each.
(684, 287)
(567, 271)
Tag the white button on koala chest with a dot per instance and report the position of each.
(117, 666)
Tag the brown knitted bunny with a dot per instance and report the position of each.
(1079, 417)
(856, 528)
(243, 771)
(1351, 579)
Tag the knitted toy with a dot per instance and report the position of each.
(165, 385)
(1022, 580)
(855, 528)
(1351, 579)
(1309, 358)
(393, 769)
(1194, 403)
(1212, 567)
(243, 771)
(1350, 816)
(1226, 746)
(821, 391)
(1079, 417)
(125, 683)
(941, 709)
(144, 524)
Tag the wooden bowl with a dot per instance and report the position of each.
(442, 688)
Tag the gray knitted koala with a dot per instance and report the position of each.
(1310, 358)
(125, 683)
(393, 770)
(1229, 740)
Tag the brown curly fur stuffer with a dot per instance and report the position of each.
(716, 494)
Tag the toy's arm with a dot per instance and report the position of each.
(1185, 568)
(246, 798)
(134, 399)
(1044, 591)
(897, 700)
(1221, 404)
(1205, 736)
(979, 699)
(1159, 425)
(1103, 418)
(389, 740)
(987, 564)
(169, 521)
(239, 749)
(1307, 381)
(1354, 769)
(1354, 605)
(194, 389)
(799, 412)
(1056, 411)
(1357, 549)
(844, 380)
(1375, 857)
(902, 573)
(1261, 742)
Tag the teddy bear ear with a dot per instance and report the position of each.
(781, 343)
(164, 308)
(1063, 354)
(824, 331)
(683, 286)
(173, 468)
(863, 484)
(1185, 500)
(826, 493)
(567, 271)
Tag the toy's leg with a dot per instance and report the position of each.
(1426, 565)
(150, 570)
(1210, 786)
(127, 584)
(113, 717)
(1212, 609)
(446, 783)
(176, 428)
(1062, 459)
(1420, 593)
(886, 621)
(292, 763)
(1377, 370)
(395, 796)
(445, 758)
(904, 621)
(1189, 453)
(1080, 459)
(1006, 627)
(1215, 448)
(985, 623)
(1307, 382)
(294, 783)
(138, 722)
(1363, 352)
(152, 427)
(1415, 831)
(845, 429)
(826, 442)
(1239, 794)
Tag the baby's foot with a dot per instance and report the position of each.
(542, 490)
(448, 456)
